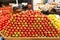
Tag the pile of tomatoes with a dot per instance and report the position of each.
(26, 24)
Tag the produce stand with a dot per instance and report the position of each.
(29, 24)
(35, 29)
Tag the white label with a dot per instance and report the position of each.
(57, 16)
(35, 8)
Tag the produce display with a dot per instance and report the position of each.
(27, 24)
(55, 20)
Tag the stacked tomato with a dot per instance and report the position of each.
(29, 24)
(5, 17)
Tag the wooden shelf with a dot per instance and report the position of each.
(50, 38)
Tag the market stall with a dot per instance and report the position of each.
(19, 22)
